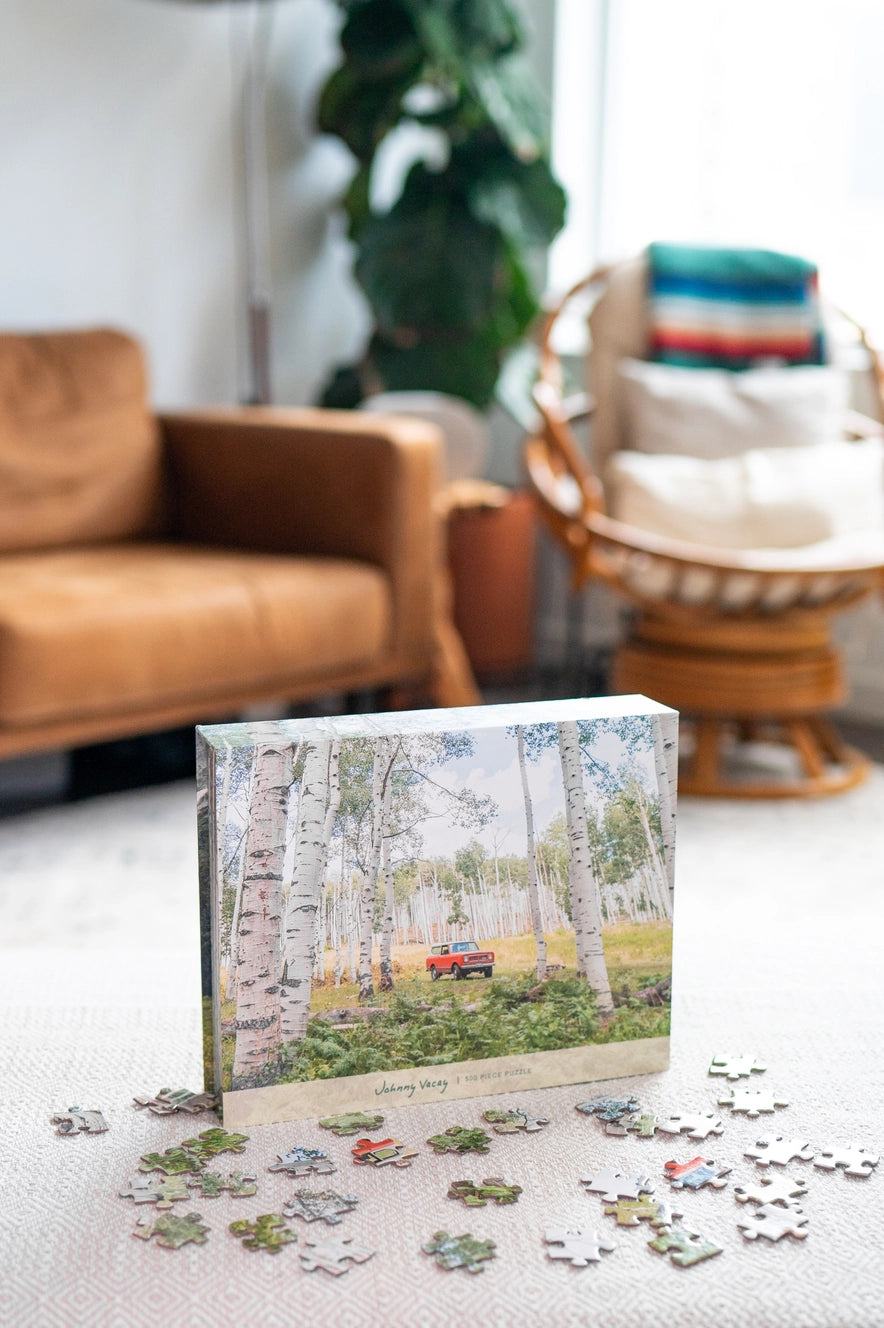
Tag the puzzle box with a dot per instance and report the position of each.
(437, 904)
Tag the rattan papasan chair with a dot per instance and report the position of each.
(739, 640)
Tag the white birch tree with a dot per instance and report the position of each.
(258, 936)
(533, 899)
(665, 732)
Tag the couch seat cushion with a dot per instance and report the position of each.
(102, 629)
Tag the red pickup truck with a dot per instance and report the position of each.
(459, 958)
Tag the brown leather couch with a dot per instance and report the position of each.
(158, 570)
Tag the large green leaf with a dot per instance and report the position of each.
(379, 39)
(360, 111)
(492, 27)
(509, 96)
(523, 199)
(463, 367)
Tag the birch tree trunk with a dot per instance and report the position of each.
(258, 937)
(380, 773)
(386, 979)
(299, 947)
(666, 766)
(533, 899)
(585, 911)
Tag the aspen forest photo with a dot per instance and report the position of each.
(406, 898)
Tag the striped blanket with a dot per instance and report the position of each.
(732, 308)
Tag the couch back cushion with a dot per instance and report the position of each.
(79, 450)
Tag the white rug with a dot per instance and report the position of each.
(778, 951)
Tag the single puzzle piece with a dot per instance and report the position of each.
(698, 1125)
(163, 1193)
(174, 1161)
(609, 1108)
(320, 1205)
(168, 1102)
(267, 1232)
(777, 1148)
(383, 1153)
(695, 1174)
(580, 1247)
(460, 1139)
(76, 1121)
(212, 1184)
(333, 1255)
(643, 1124)
(629, 1212)
(850, 1159)
(752, 1101)
(211, 1142)
(783, 1190)
(352, 1122)
(773, 1222)
(735, 1066)
(303, 1161)
(511, 1122)
(613, 1185)
(173, 1229)
(686, 1246)
(460, 1251)
(492, 1187)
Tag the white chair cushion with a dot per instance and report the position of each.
(717, 413)
(765, 498)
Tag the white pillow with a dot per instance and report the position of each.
(766, 498)
(718, 413)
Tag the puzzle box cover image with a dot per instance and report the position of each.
(340, 858)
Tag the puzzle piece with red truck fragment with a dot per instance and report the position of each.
(735, 1066)
(685, 1246)
(384, 1153)
(692, 1175)
(698, 1125)
(333, 1255)
(613, 1185)
(780, 1150)
(751, 1100)
(303, 1161)
(267, 1232)
(579, 1246)
(320, 1205)
(850, 1159)
(629, 1212)
(783, 1190)
(773, 1222)
(173, 1230)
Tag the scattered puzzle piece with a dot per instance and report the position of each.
(460, 1139)
(492, 1187)
(851, 1160)
(163, 1193)
(686, 1247)
(352, 1122)
(460, 1251)
(212, 1184)
(772, 1190)
(629, 1212)
(780, 1150)
(643, 1124)
(699, 1125)
(693, 1175)
(510, 1122)
(772, 1221)
(267, 1232)
(752, 1101)
(76, 1121)
(609, 1108)
(173, 1229)
(580, 1247)
(320, 1205)
(735, 1066)
(303, 1161)
(167, 1102)
(211, 1142)
(333, 1255)
(383, 1153)
(613, 1185)
(174, 1161)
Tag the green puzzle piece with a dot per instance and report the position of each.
(216, 1140)
(352, 1122)
(174, 1161)
(163, 1193)
(476, 1196)
(459, 1251)
(629, 1212)
(173, 1230)
(459, 1139)
(212, 1184)
(267, 1232)
(686, 1247)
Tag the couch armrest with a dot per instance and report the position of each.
(339, 483)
